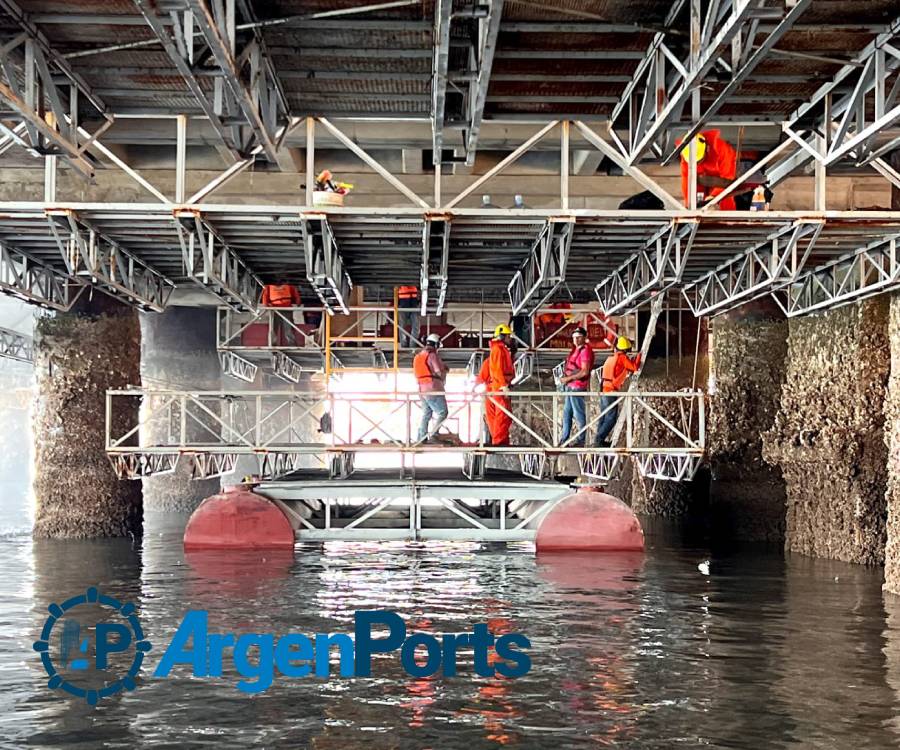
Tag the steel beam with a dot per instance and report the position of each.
(488, 31)
(657, 267)
(767, 267)
(139, 465)
(670, 467)
(434, 272)
(741, 74)
(105, 264)
(324, 264)
(211, 264)
(36, 283)
(544, 269)
(177, 40)
(285, 368)
(439, 64)
(868, 271)
(655, 123)
(253, 104)
(237, 367)
(15, 345)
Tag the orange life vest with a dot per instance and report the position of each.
(407, 292)
(280, 295)
(421, 369)
(616, 369)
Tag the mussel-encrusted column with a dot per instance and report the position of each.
(78, 356)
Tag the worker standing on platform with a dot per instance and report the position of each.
(575, 380)
(408, 314)
(281, 295)
(431, 372)
(616, 369)
(716, 169)
(502, 371)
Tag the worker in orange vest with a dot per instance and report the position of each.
(431, 372)
(616, 369)
(502, 371)
(282, 295)
(716, 169)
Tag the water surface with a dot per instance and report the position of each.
(674, 648)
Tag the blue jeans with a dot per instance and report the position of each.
(432, 404)
(409, 326)
(575, 406)
(608, 420)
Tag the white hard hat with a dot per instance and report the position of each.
(433, 338)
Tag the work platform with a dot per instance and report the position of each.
(434, 504)
(664, 433)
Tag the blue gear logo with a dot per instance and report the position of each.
(110, 638)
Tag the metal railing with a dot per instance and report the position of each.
(284, 422)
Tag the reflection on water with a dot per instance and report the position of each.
(672, 648)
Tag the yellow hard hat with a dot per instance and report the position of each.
(700, 140)
(623, 344)
(501, 329)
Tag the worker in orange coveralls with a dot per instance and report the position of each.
(716, 169)
(502, 371)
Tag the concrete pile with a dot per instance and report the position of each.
(77, 359)
(747, 359)
(828, 434)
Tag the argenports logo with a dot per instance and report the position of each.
(98, 649)
(260, 658)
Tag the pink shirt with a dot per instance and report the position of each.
(580, 357)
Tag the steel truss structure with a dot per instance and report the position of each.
(369, 341)
(213, 265)
(544, 270)
(15, 345)
(419, 508)
(49, 97)
(32, 281)
(325, 266)
(103, 262)
(247, 103)
(280, 422)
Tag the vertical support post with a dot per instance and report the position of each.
(820, 174)
(564, 164)
(437, 186)
(50, 164)
(327, 347)
(180, 157)
(396, 343)
(310, 159)
(502, 514)
(696, 35)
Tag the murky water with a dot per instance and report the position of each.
(668, 649)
